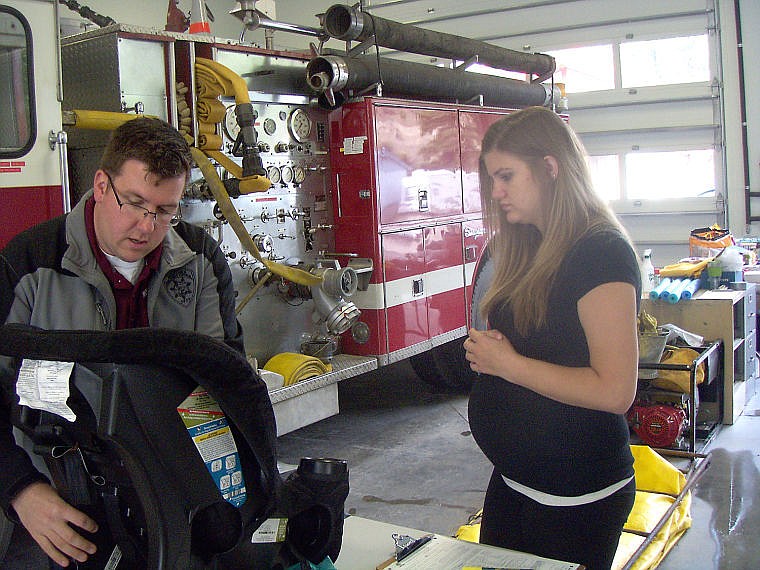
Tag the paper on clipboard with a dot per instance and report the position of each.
(445, 553)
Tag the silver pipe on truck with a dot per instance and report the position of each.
(351, 24)
(328, 74)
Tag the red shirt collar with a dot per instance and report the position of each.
(116, 279)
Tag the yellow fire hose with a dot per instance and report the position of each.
(248, 184)
(210, 110)
(295, 367)
(110, 120)
(97, 120)
(214, 79)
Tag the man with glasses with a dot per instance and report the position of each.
(122, 258)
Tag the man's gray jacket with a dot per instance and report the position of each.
(49, 278)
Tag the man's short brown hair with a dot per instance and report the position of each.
(151, 141)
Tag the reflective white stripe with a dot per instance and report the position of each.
(562, 501)
(372, 299)
(469, 271)
(443, 280)
(400, 291)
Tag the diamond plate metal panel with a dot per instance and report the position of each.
(91, 74)
(90, 81)
(106, 72)
(344, 366)
(420, 347)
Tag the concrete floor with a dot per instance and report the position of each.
(413, 462)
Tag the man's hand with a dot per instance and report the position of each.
(46, 516)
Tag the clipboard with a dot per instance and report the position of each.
(446, 553)
(405, 552)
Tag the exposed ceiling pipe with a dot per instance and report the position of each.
(330, 74)
(89, 13)
(351, 24)
(254, 19)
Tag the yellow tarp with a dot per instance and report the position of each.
(470, 531)
(654, 476)
(657, 485)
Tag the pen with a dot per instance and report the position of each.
(413, 547)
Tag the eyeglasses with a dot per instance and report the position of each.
(139, 213)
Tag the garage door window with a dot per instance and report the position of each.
(665, 62)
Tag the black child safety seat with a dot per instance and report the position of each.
(129, 462)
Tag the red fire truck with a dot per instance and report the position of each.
(371, 172)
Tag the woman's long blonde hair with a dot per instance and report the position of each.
(526, 263)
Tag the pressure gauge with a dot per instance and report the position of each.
(287, 174)
(299, 125)
(299, 174)
(231, 127)
(273, 173)
(270, 126)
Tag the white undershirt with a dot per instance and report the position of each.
(129, 269)
(563, 501)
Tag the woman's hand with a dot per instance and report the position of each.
(489, 352)
(608, 317)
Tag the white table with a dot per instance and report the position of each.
(368, 543)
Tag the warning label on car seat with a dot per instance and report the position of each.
(210, 431)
